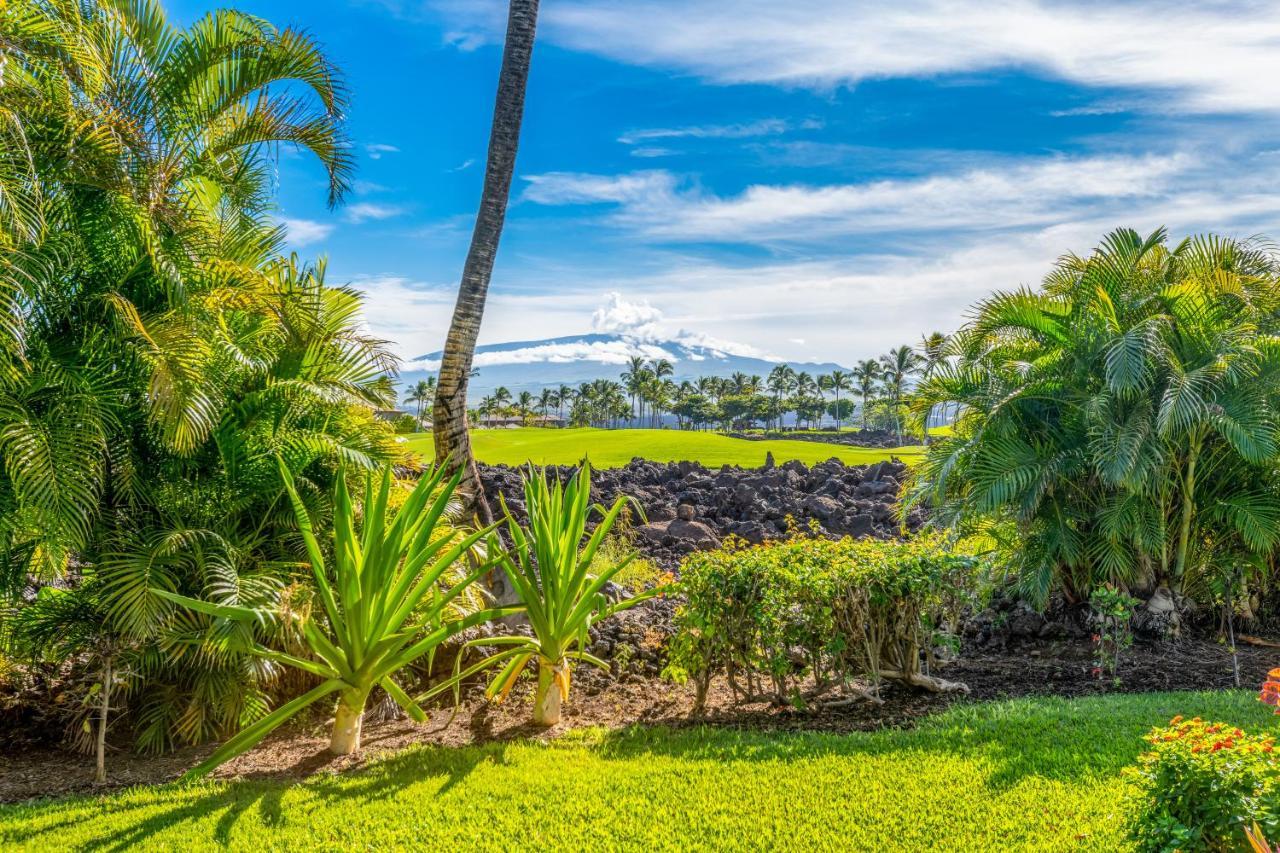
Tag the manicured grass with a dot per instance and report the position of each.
(614, 448)
(1028, 774)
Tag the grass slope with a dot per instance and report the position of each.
(614, 448)
(1028, 774)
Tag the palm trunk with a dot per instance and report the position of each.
(347, 723)
(547, 700)
(453, 444)
(1188, 509)
(104, 709)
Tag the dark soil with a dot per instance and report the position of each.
(1037, 667)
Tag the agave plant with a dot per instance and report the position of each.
(551, 569)
(385, 607)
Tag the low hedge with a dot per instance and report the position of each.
(843, 611)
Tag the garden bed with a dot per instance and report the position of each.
(1037, 668)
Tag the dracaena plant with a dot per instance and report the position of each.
(391, 600)
(552, 566)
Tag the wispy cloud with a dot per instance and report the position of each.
(304, 232)
(365, 211)
(763, 127)
(1203, 57)
(376, 150)
(1031, 193)
(463, 166)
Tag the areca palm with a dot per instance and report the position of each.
(1122, 418)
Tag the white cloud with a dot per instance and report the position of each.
(619, 316)
(650, 151)
(764, 127)
(1207, 57)
(463, 166)
(365, 211)
(304, 232)
(1021, 194)
(646, 188)
(376, 150)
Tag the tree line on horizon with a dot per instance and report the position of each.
(874, 394)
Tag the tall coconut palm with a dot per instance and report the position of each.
(897, 368)
(779, 383)
(865, 376)
(838, 381)
(423, 392)
(564, 397)
(453, 445)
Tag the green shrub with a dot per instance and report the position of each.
(1202, 785)
(839, 610)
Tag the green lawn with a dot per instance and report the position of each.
(1042, 774)
(614, 448)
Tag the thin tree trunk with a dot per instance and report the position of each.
(453, 444)
(104, 709)
(1188, 509)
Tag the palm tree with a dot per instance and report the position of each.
(524, 406)
(502, 397)
(838, 381)
(897, 367)
(866, 374)
(933, 349)
(453, 445)
(564, 396)
(780, 382)
(633, 379)
(1123, 417)
(424, 391)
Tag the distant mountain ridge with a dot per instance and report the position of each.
(532, 365)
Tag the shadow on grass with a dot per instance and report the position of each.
(1064, 740)
(264, 794)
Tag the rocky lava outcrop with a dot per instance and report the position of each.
(689, 507)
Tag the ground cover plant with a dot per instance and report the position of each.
(613, 448)
(1028, 774)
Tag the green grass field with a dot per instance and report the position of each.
(1028, 774)
(614, 448)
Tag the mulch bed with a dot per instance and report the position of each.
(1061, 668)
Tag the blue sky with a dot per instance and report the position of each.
(814, 180)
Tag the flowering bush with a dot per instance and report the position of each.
(1270, 693)
(1203, 785)
(839, 610)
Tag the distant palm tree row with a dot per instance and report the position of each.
(646, 392)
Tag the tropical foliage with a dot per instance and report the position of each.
(1119, 423)
(158, 350)
(395, 595)
(552, 565)
(841, 612)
